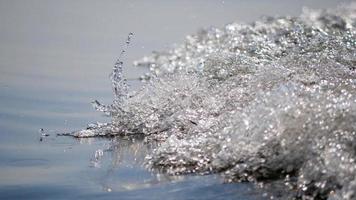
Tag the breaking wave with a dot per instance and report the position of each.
(272, 102)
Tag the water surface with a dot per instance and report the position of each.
(55, 58)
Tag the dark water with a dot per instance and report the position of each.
(55, 59)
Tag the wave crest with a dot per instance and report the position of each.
(272, 100)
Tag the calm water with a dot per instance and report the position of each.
(55, 58)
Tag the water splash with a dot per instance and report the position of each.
(272, 102)
(119, 85)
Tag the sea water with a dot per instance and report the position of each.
(52, 63)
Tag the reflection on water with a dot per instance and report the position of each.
(125, 154)
(118, 168)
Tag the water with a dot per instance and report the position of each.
(55, 60)
(273, 100)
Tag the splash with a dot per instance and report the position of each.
(119, 85)
(272, 102)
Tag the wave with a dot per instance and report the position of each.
(271, 102)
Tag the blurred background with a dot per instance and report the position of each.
(55, 58)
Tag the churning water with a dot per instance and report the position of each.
(271, 102)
